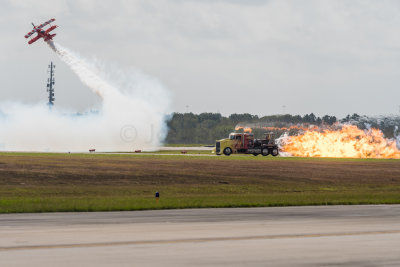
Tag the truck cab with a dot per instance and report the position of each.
(230, 145)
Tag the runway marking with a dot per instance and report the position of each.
(196, 240)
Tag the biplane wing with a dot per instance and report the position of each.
(34, 39)
(51, 28)
(46, 23)
(30, 33)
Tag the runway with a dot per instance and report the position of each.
(283, 236)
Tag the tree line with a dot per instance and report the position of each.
(205, 128)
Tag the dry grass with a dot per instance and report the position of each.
(62, 182)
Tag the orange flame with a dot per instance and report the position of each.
(294, 127)
(348, 142)
(245, 129)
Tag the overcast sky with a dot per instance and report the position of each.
(327, 57)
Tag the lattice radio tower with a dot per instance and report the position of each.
(50, 84)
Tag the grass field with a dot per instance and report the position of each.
(40, 182)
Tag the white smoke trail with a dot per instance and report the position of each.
(132, 115)
(389, 124)
(89, 74)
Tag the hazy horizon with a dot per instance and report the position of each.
(325, 57)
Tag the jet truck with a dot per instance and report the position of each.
(245, 143)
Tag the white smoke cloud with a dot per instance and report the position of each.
(380, 122)
(132, 114)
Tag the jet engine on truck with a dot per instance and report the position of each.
(246, 144)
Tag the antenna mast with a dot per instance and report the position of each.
(50, 84)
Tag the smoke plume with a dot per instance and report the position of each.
(132, 114)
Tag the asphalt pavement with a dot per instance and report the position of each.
(283, 236)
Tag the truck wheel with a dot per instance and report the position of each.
(265, 152)
(227, 151)
(274, 152)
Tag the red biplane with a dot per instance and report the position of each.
(41, 32)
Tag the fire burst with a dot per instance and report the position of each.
(245, 129)
(348, 142)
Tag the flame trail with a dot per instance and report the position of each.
(245, 129)
(347, 142)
